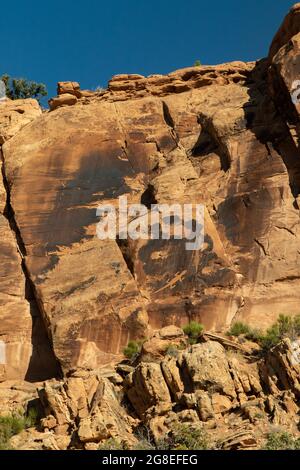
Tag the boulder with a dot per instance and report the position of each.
(204, 405)
(65, 99)
(239, 440)
(198, 360)
(172, 377)
(70, 88)
(147, 390)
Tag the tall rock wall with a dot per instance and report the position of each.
(25, 349)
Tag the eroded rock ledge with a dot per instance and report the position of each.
(131, 86)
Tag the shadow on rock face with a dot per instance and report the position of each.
(43, 364)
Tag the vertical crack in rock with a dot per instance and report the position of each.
(261, 246)
(167, 115)
(126, 154)
(126, 251)
(30, 295)
(169, 121)
(9, 213)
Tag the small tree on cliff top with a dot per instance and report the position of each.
(20, 88)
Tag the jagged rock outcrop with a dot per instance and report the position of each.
(87, 405)
(160, 392)
(236, 398)
(225, 136)
(285, 68)
(68, 94)
(233, 396)
(282, 368)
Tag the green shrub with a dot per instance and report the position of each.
(9, 427)
(271, 338)
(296, 325)
(132, 349)
(172, 349)
(238, 329)
(254, 335)
(32, 418)
(20, 88)
(112, 444)
(143, 444)
(182, 437)
(281, 441)
(285, 327)
(144, 439)
(194, 331)
(186, 437)
(197, 63)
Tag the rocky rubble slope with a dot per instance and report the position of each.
(225, 388)
(225, 136)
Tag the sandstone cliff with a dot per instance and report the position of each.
(226, 136)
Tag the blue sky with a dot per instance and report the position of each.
(89, 41)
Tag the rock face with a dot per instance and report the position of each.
(16, 114)
(25, 348)
(224, 136)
